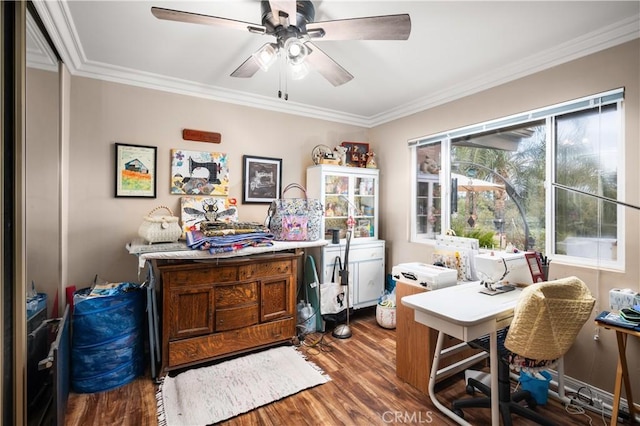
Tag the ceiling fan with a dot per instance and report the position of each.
(291, 23)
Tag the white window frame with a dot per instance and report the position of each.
(549, 114)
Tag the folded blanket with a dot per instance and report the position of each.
(215, 229)
(197, 240)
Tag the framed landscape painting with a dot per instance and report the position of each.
(135, 171)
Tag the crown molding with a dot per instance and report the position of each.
(39, 53)
(57, 19)
(613, 35)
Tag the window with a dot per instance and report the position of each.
(546, 180)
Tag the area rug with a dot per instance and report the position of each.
(211, 394)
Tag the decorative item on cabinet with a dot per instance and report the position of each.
(371, 161)
(322, 154)
(341, 155)
(356, 153)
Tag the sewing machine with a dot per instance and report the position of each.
(500, 271)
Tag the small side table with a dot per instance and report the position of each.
(622, 372)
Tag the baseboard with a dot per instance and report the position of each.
(573, 385)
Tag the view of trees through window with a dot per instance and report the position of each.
(500, 186)
(498, 176)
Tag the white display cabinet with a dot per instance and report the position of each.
(350, 194)
(346, 193)
(366, 270)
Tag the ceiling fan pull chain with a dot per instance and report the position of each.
(279, 78)
(286, 83)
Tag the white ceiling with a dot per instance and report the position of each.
(455, 48)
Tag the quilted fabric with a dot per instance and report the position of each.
(548, 318)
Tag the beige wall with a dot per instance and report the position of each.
(592, 361)
(103, 113)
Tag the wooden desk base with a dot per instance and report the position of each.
(416, 344)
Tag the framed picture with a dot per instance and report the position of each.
(261, 179)
(135, 170)
(199, 173)
(356, 153)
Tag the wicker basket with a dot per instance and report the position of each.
(160, 229)
(548, 318)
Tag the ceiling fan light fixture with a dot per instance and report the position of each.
(298, 71)
(295, 50)
(266, 56)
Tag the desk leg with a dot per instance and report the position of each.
(622, 375)
(432, 383)
(493, 363)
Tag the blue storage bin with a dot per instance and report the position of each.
(538, 388)
(107, 348)
(35, 304)
(108, 380)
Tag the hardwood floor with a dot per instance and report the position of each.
(364, 390)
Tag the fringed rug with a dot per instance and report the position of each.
(215, 393)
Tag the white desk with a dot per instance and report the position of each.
(462, 312)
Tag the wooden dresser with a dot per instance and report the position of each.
(216, 308)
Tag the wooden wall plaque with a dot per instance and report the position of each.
(201, 136)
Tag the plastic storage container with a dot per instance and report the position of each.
(108, 342)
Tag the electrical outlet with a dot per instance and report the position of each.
(597, 402)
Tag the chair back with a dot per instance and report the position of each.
(548, 318)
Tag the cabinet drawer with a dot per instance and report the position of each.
(232, 318)
(236, 294)
(264, 269)
(197, 276)
(197, 349)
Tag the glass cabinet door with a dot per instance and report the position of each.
(350, 199)
(364, 200)
(336, 202)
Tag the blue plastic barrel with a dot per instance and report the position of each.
(107, 349)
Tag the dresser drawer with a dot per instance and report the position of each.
(194, 350)
(236, 294)
(232, 318)
(264, 269)
(200, 275)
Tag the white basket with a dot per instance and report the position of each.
(386, 316)
(160, 229)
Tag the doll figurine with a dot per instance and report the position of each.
(371, 161)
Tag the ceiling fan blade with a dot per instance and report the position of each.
(286, 6)
(197, 18)
(326, 66)
(387, 27)
(247, 69)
